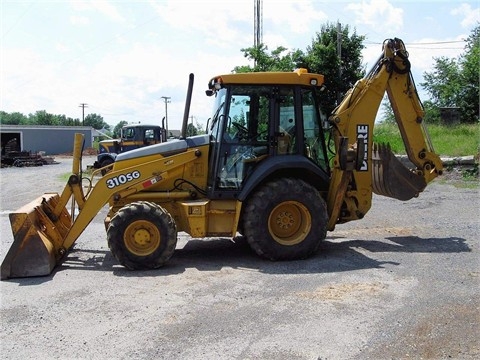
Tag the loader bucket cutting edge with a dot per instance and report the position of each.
(391, 178)
(33, 251)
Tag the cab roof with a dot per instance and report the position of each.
(297, 77)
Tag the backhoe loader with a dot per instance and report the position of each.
(271, 168)
(132, 136)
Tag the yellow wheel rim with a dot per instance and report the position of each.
(289, 223)
(142, 238)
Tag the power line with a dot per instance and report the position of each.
(421, 43)
(436, 48)
(436, 43)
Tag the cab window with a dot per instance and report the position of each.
(149, 134)
(129, 133)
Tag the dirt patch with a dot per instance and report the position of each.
(460, 174)
(345, 291)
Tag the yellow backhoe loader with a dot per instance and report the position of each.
(270, 168)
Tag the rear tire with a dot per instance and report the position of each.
(142, 235)
(285, 219)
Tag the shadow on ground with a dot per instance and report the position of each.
(334, 255)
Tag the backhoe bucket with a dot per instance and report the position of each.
(37, 238)
(391, 178)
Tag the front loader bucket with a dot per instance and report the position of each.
(37, 238)
(391, 178)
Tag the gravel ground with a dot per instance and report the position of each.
(402, 283)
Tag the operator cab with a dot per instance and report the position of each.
(254, 122)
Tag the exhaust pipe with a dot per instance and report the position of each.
(187, 106)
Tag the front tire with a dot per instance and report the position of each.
(142, 235)
(285, 219)
(107, 161)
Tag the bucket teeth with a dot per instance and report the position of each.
(391, 178)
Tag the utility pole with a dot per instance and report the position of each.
(83, 106)
(167, 100)
(257, 24)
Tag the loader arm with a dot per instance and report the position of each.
(360, 166)
(139, 178)
(44, 230)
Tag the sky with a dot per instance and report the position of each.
(121, 57)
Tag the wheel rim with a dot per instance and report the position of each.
(142, 238)
(289, 223)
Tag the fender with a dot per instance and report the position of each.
(296, 165)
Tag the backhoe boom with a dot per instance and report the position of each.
(378, 169)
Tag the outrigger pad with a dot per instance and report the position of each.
(391, 178)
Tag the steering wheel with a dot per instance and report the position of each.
(242, 130)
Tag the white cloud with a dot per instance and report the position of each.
(105, 7)
(296, 16)
(27, 81)
(62, 48)
(377, 13)
(216, 22)
(79, 20)
(470, 16)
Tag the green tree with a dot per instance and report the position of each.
(95, 121)
(71, 121)
(200, 128)
(455, 82)
(42, 117)
(470, 76)
(14, 118)
(341, 73)
(443, 83)
(117, 129)
(191, 130)
(274, 61)
(321, 57)
(387, 113)
(67, 121)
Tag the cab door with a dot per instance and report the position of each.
(240, 137)
(283, 129)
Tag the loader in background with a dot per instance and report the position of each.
(270, 168)
(132, 136)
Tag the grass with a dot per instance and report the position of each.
(451, 141)
(448, 141)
